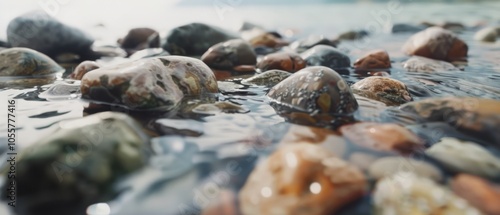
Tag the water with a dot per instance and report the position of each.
(192, 146)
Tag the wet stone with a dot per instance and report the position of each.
(195, 39)
(301, 179)
(83, 68)
(480, 193)
(268, 78)
(406, 193)
(287, 61)
(314, 96)
(436, 43)
(311, 41)
(383, 137)
(388, 166)
(378, 59)
(149, 53)
(422, 64)
(98, 149)
(39, 31)
(230, 54)
(488, 34)
(466, 157)
(407, 28)
(322, 55)
(268, 40)
(140, 38)
(219, 107)
(149, 84)
(390, 91)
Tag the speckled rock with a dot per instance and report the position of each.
(41, 32)
(352, 35)
(466, 157)
(478, 192)
(407, 28)
(436, 43)
(383, 137)
(83, 68)
(230, 54)
(322, 55)
(315, 96)
(378, 59)
(149, 53)
(287, 61)
(406, 193)
(152, 83)
(474, 115)
(488, 34)
(422, 64)
(195, 39)
(301, 179)
(140, 38)
(22, 67)
(388, 166)
(78, 163)
(384, 89)
(268, 78)
(311, 41)
(268, 40)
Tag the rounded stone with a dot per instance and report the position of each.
(407, 28)
(140, 38)
(352, 35)
(195, 39)
(229, 54)
(26, 62)
(268, 78)
(406, 193)
(466, 157)
(487, 35)
(384, 89)
(383, 137)
(422, 64)
(323, 55)
(388, 166)
(267, 40)
(287, 61)
(314, 95)
(378, 59)
(301, 179)
(83, 68)
(436, 43)
(478, 192)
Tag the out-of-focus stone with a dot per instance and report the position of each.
(378, 59)
(478, 192)
(384, 89)
(287, 61)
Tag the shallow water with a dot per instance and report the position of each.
(193, 147)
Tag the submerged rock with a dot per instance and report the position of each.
(487, 35)
(311, 41)
(378, 59)
(422, 64)
(287, 61)
(475, 115)
(383, 137)
(478, 192)
(268, 78)
(388, 166)
(322, 55)
(195, 39)
(406, 193)
(152, 83)
(41, 32)
(140, 38)
(219, 107)
(230, 54)
(466, 157)
(384, 89)
(314, 96)
(301, 179)
(80, 161)
(436, 43)
(23, 67)
(83, 68)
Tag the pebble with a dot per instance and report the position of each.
(41, 32)
(195, 39)
(323, 55)
(388, 166)
(466, 157)
(149, 84)
(390, 91)
(230, 54)
(268, 78)
(488, 34)
(301, 179)
(268, 40)
(406, 193)
(478, 192)
(314, 95)
(83, 68)
(302, 45)
(140, 38)
(352, 35)
(407, 28)
(287, 61)
(436, 43)
(378, 59)
(383, 137)
(422, 64)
